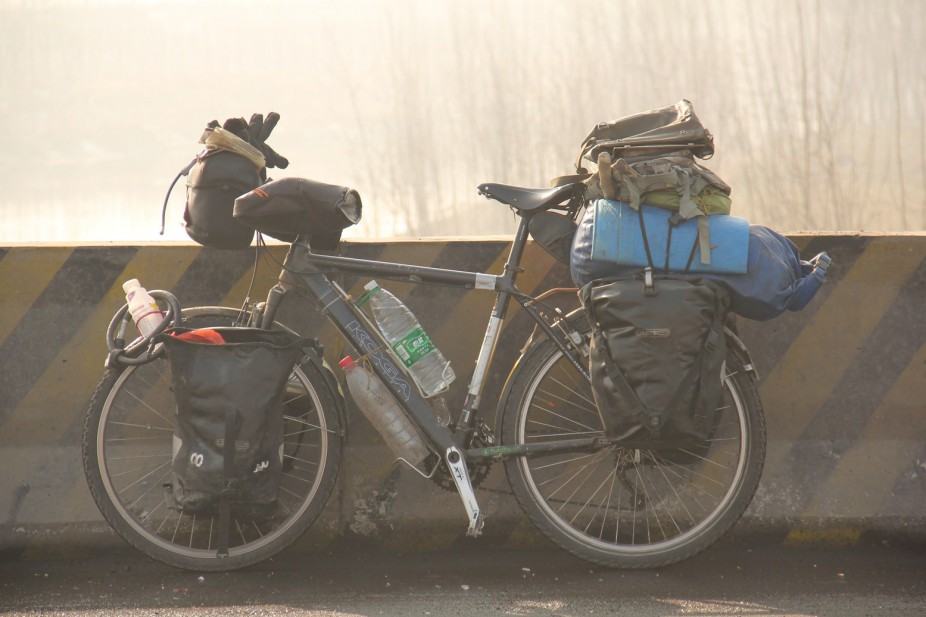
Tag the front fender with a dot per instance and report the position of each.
(314, 354)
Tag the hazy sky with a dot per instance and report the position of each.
(414, 103)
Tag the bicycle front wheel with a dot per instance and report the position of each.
(621, 507)
(127, 454)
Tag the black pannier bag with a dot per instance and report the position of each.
(657, 356)
(228, 441)
(288, 207)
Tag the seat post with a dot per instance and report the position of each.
(512, 265)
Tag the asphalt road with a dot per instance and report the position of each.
(753, 576)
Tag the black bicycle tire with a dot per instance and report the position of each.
(121, 519)
(534, 366)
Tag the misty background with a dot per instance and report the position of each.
(816, 106)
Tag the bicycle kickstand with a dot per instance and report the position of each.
(460, 476)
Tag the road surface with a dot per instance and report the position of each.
(752, 575)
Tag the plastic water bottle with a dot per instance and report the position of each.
(383, 412)
(144, 309)
(427, 365)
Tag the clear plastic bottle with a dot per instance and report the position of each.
(427, 365)
(144, 309)
(383, 412)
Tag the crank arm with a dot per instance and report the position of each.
(460, 475)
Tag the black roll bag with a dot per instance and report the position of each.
(228, 435)
(289, 207)
(215, 180)
(656, 356)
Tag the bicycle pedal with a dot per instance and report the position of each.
(475, 526)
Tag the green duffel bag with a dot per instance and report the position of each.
(675, 182)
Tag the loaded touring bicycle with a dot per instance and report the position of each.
(620, 500)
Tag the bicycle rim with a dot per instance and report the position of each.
(134, 445)
(631, 507)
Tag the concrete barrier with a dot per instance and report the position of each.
(843, 385)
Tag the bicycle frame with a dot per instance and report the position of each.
(609, 500)
(307, 270)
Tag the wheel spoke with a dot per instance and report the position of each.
(150, 488)
(628, 506)
(128, 454)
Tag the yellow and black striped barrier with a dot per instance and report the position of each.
(843, 384)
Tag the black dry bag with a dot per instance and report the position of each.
(657, 355)
(234, 161)
(215, 180)
(288, 207)
(228, 440)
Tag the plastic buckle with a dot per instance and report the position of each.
(820, 265)
(649, 283)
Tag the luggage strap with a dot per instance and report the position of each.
(228, 481)
(674, 221)
(685, 184)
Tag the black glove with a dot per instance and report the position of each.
(237, 126)
(258, 131)
(213, 124)
(255, 133)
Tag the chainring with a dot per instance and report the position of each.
(478, 471)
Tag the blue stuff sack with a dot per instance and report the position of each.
(617, 237)
(776, 279)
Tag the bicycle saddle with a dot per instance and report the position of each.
(528, 199)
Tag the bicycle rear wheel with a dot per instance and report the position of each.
(127, 454)
(620, 507)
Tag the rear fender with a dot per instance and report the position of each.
(736, 345)
(574, 321)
